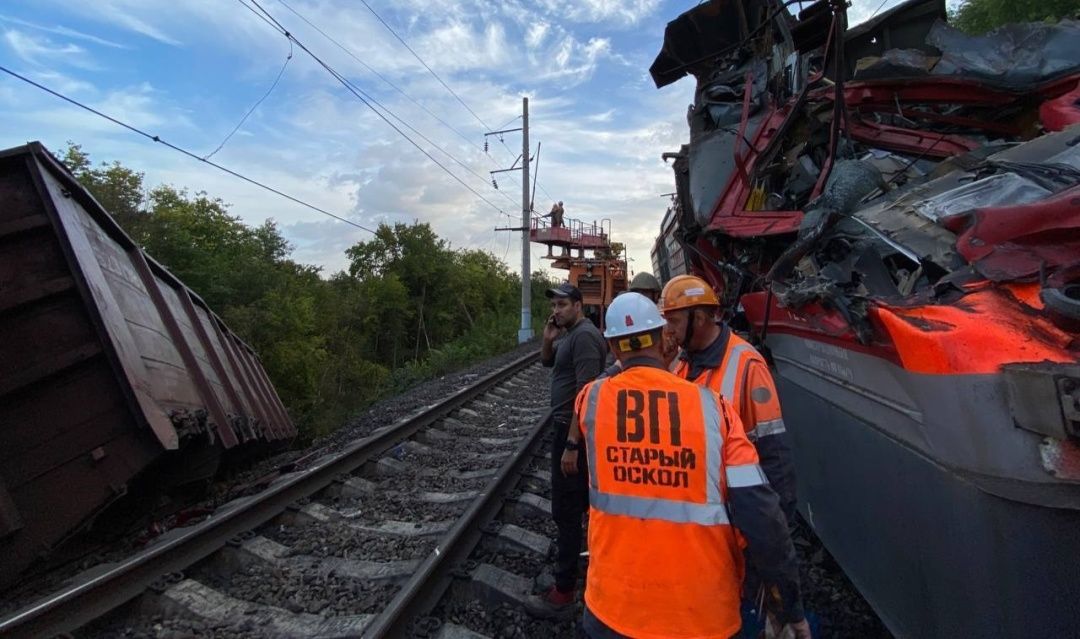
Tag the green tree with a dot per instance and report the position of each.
(213, 252)
(286, 333)
(421, 262)
(980, 16)
(482, 284)
(116, 187)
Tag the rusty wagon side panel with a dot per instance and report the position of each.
(108, 363)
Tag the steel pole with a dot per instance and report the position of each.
(525, 333)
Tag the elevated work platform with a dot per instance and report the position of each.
(574, 234)
(600, 276)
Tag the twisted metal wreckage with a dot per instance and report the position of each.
(893, 210)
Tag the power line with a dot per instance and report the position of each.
(431, 142)
(508, 122)
(367, 100)
(876, 10)
(256, 105)
(277, 27)
(396, 88)
(174, 147)
(259, 15)
(430, 70)
(379, 76)
(441, 81)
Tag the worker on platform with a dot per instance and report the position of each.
(646, 284)
(575, 350)
(672, 476)
(556, 215)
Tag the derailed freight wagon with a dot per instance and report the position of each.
(893, 210)
(111, 370)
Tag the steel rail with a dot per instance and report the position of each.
(425, 588)
(76, 605)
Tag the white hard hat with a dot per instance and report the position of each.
(631, 314)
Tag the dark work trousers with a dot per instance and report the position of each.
(569, 502)
(596, 629)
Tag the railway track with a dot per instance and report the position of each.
(367, 541)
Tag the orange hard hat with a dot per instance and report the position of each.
(687, 291)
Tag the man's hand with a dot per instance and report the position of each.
(551, 329)
(569, 462)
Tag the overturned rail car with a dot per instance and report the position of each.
(893, 210)
(111, 370)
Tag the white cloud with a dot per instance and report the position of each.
(123, 14)
(616, 12)
(459, 46)
(140, 107)
(572, 62)
(42, 51)
(64, 31)
(536, 34)
(63, 83)
(601, 117)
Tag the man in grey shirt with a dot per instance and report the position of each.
(575, 350)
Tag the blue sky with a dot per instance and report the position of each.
(188, 70)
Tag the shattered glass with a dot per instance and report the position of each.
(1003, 189)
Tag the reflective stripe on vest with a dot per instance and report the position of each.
(711, 513)
(732, 368)
(745, 476)
(764, 429)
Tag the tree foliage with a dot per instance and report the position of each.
(408, 306)
(980, 16)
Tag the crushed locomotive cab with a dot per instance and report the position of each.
(894, 211)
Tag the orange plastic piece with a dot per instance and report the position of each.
(976, 334)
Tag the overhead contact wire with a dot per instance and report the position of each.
(399, 90)
(362, 96)
(421, 60)
(380, 76)
(441, 81)
(254, 106)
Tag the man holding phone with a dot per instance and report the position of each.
(575, 351)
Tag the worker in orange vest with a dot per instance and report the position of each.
(714, 356)
(672, 477)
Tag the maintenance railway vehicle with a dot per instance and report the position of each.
(600, 276)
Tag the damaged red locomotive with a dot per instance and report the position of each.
(893, 211)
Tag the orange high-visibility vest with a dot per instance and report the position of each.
(743, 379)
(664, 561)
